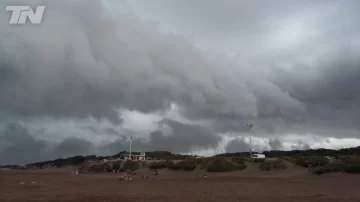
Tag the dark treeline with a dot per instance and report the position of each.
(76, 160)
(11, 166)
(309, 152)
(60, 162)
(166, 155)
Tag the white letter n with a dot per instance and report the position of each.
(34, 17)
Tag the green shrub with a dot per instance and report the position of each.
(350, 160)
(311, 160)
(238, 160)
(116, 165)
(161, 165)
(347, 164)
(187, 165)
(352, 169)
(205, 162)
(331, 167)
(71, 161)
(222, 165)
(130, 165)
(338, 168)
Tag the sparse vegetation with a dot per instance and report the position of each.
(347, 164)
(77, 160)
(238, 160)
(278, 164)
(314, 161)
(205, 162)
(223, 165)
(346, 160)
(61, 162)
(350, 160)
(130, 165)
(186, 165)
(161, 165)
(116, 165)
(331, 167)
(297, 153)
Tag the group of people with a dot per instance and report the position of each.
(130, 173)
(153, 178)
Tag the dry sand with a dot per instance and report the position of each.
(294, 184)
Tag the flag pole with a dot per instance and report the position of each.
(130, 147)
(250, 127)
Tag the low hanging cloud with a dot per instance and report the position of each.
(237, 145)
(275, 144)
(20, 146)
(73, 146)
(300, 145)
(181, 138)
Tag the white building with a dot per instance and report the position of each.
(136, 156)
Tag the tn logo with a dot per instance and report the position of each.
(21, 13)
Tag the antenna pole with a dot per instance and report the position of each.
(130, 147)
(250, 127)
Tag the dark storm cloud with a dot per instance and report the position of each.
(237, 145)
(119, 145)
(90, 128)
(297, 60)
(182, 138)
(86, 71)
(111, 131)
(330, 94)
(300, 145)
(19, 146)
(275, 144)
(72, 146)
(316, 42)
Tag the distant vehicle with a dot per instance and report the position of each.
(258, 156)
(329, 157)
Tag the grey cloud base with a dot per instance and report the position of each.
(20, 146)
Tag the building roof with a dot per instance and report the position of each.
(132, 153)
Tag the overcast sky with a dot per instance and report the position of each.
(184, 76)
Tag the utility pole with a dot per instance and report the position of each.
(250, 127)
(130, 147)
